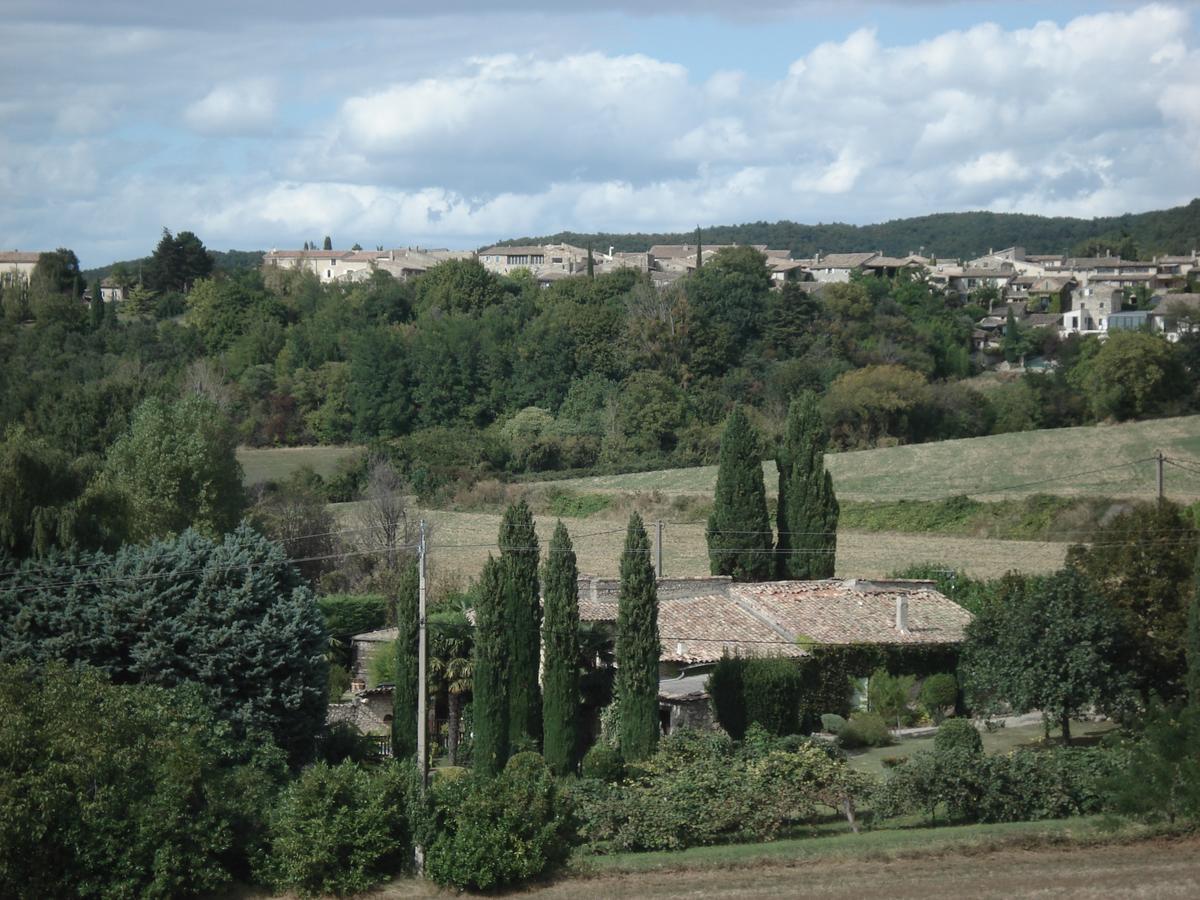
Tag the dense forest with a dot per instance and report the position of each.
(954, 235)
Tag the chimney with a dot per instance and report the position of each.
(902, 613)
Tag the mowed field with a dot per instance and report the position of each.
(1092, 460)
(460, 543)
(260, 464)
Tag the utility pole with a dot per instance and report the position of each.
(658, 533)
(422, 717)
(1159, 460)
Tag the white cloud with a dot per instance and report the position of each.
(238, 108)
(987, 168)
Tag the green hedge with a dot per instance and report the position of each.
(764, 691)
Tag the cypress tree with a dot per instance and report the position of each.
(739, 532)
(490, 672)
(523, 622)
(591, 264)
(638, 647)
(328, 245)
(1192, 644)
(404, 694)
(97, 307)
(699, 250)
(807, 513)
(560, 632)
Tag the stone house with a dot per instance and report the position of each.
(17, 266)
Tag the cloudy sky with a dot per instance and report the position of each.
(262, 124)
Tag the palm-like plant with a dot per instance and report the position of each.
(450, 669)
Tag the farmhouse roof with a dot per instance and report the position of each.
(380, 636)
(683, 688)
(19, 256)
(857, 611)
(307, 254)
(843, 260)
(1042, 320)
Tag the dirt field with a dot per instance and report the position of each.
(1073, 461)
(460, 542)
(1148, 869)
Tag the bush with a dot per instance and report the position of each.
(832, 723)
(938, 692)
(339, 830)
(123, 790)
(490, 832)
(772, 689)
(958, 734)
(603, 763)
(890, 695)
(864, 730)
(727, 694)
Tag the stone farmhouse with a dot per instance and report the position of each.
(349, 266)
(16, 266)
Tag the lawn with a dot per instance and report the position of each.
(999, 741)
(1089, 460)
(1055, 858)
(262, 464)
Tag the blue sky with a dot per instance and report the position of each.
(265, 124)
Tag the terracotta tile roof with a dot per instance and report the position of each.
(307, 254)
(703, 629)
(843, 260)
(853, 611)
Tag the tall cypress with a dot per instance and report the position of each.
(560, 637)
(1192, 643)
(523, 622)
(699, 250)
(591, 264)
(490, 672)
(739, 532)
(638, 648)
(404, 694)
(807, 513)
(97, 307)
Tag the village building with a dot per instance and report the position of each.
(16, 266)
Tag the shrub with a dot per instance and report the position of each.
(864, 730)
(958, 734)
(938, 692)
(891, 762)
(339, 830)
(490, 832)
(889, 695)
(603, 763)
(727, 694)
(832, 723)
(772, 689)
(123, 790)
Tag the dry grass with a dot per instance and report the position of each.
(988, 467)
(262, 464)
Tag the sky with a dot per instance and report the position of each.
(264, 124)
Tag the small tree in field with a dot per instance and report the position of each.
(739, 532)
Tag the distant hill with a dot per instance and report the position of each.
(963, 235)
(223, 261)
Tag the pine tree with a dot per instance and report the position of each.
(739, 532)
(404, 694)
(560, 632)
(97, 307)
(638, 647)
(523, 622)
(490, 672)
(807, 513)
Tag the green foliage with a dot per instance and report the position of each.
(772, 688)
(891, 695)
(523, 621)
(490, 664)
(1166, 760)
(1132, 375)
(864, 730)
(234, 618)
(122, 790)
(637, 646)
(407, 675)
(702, 788)
(726, 690)
(1192, 646)
(807, 510)
(958, 734)
(177, 468)
(832, 723)
(937, 693)
(492, 832)
(1052, 643)
(1141, 563)
(339, 830)
(603, 763)
(876, 405)
(177, 262)
(560, 638)
(739, 532)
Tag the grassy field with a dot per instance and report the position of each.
(1008, 465)
(262, 464)
(461, 541)
(1077, 857)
